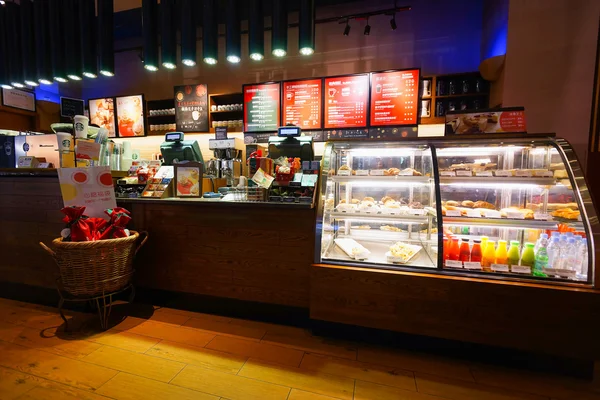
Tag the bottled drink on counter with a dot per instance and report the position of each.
(476, 251)
(446, 248)
(528, 255)
(489, 255)
(484, 240)
(501, 252)
(454, 251)
(465, 251)
(539, 241)
(583, 256)
(513, 256)
(553, 251)
(541, 256)
(570, 255)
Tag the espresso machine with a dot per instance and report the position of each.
(227, 163)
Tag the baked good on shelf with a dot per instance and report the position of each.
(346, 207)
(444, 209)
(452, 203)
(368, 206)
(415, 205)
(362, 227)
(355, 201)
(566, 213)
(558, 206)
(412, 171)
(345, 168)
(329, 203)
(368, 199)
(391, 171)
(467, 203)
(449, 207)
(533, 207)
(385, 199)
(392, 204)
(484, 204)
(390, 228)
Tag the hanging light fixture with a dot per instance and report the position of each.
(57, 49)
(4, 70)
(393, 22)
(13, 42)
(106, 52)
(70, 9)
(306, 28)
(279, 31)
(168, 34)
(41, 28)
(210, 33)
(87, 38)
(27, 43)
(367, 28)
(234, 37)
(347, 28)
(256, 31)
(149, 17)
(188, 33)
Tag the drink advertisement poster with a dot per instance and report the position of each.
(261, 107)
(346, 101)
(130, 116)
(394, 98)
(302, 103)
(91, 188)
(486, 121)
(191, 108)
(102, 113)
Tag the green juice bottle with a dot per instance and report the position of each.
(513, 255)
(528, 256)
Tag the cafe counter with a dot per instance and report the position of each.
(257, 252)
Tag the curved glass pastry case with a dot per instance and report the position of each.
(509, 208)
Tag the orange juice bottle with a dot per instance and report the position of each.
(484, 240)
(489, 255)
(501, 252)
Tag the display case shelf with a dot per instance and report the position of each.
(380, 179)
(492, 180)
(378, 217)
(502, 223)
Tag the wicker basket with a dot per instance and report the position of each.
(95, 268)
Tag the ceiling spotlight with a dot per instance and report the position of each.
(60, 79)
(210, 60)
(169, 65)
(306, 51)
(279, 29)
(31, 83)
(347, 28)
(105, 73)
(233, 59)
(17, 85)
(168, 34)
(105, 37)
(210, 32)
(188, 33)
(367, 28)
(279, 53)
(256, 56)
(256, 31)
(57, 48)
(188, 62)
(393, 23)
(149, 30)
(90, 75)
(152, 68)
(45, 82)
(306, 35)
(233, 42)
(74, 77)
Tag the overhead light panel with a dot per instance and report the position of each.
(74, 65)
(168, 32)
(150, 33)
(367, 28)
(307, 27)
(28, 43)
(233, 43)
(106, 51)
(279, 30)
(256, 30)
(188, 33)
(210, 33)
(4, 70)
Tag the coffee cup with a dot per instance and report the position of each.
(81, 126)
(64, 141)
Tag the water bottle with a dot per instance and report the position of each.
(554, 252)
(570, 255)
(583, 257)
(541, 257)
(543, 236)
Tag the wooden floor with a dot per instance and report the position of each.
(173, 354)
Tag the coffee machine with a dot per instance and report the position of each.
(227, 163)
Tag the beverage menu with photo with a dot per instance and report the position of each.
(394, 98)
(346, 101)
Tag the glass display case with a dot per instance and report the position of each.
(504, 208)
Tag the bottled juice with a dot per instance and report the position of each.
(464, 253)
(476, 251)
(501, 252)
(513, 253)
(489, 255)
(446, 248)
(484, 240)
(454, 251)
(528, 255)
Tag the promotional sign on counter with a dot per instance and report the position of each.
(191, 108)
(346, 101)
(394, 98)
(486, 121)
(91, 188)
(261, 107)
(302, 103)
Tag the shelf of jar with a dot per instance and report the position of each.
(511, 223)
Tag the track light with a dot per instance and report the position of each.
(347, 28)
(71, 39)
(149, 28)
(279, 31)
(87, 38)
(106, 53)
(27, 43)
(306, 35)
(4, 70)
(393, 23)
(367, 28)
(57, 49)
(13, 43)
(188, 33)
(168, 38)
(256, 31)
(210, 33)
(233, 41)
(41, 28)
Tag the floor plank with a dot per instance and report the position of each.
(261, 351)
(198, 356)
(60, 343)
(130, 387)
(54, 391)
(225, 328)
(373, 391)
(231, 387)
(9, 332)
(14, 383)
(314, 344)
(191, 314)
(173, 333)
(399, 378)
(297, 394)
(124, 340)
(135, 363)
(316, 382)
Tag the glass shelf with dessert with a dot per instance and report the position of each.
(508, 209)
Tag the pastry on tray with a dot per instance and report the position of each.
(391, 171)
(484, 204)
(390, 228)
(362, 227)
(369, 199)
(385, 199)
(467, 203)
(566, 213)
(452, 203)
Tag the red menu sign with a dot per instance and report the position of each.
(302, 103)
(346, 99)
(261, 107)
(394, 98)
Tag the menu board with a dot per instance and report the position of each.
(394, 98)
(346, 100)
(302, 103)
(130, 116)
(102, 113)
(71, 107)
(261, 107)
(191, 108)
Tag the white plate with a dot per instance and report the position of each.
(348, 244)
(401, 260)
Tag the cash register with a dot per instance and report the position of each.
(289, 142)
(176, 150)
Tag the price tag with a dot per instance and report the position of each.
(447, 173)
(515, 215)
(500, 268)
(464, 173)
(453, 264)
(416, 211)
(472, 265)
(523, 173)
(483, 173)
(453, 213)
(473, 214)
(376, 172)
(44, 165)
(520, 269)
(362, 172)
(567, 273)
(344, 172)
(542, 216)
(492, 214)
(502, 172)
(405, 173)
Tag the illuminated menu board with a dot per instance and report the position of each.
(261, 107)
(346, 101)
(394, 98)
(302, 103)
